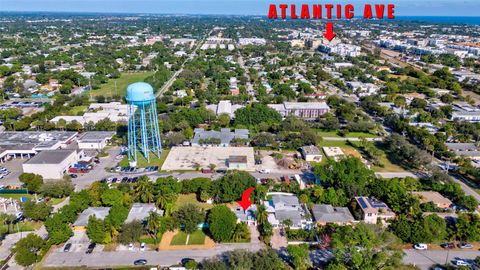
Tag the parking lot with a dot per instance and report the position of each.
(188, 158)
(14, 166)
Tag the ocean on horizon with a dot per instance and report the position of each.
(442, 19)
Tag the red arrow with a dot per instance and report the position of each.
(329, 34)
(245, 202)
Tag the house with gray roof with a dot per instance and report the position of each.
(223, 137)
(327, 214)
(286, 206)
(140, 211)
(82, 220)
(468, 150)
(246, 216)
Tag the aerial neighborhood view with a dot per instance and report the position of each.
(238, 135)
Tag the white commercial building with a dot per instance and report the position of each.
(95, 139)
(114, 111)
(52, 164)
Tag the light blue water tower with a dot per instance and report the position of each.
(143, 131)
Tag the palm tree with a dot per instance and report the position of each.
(162, 201)
(262, 214)
(153, 224)
(144, 190)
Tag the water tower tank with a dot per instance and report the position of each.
(140, 93)
(143, 130)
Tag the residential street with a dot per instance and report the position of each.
(424, 259)
(58, 258)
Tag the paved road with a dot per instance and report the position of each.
(178, 72)
(126, 258)
(466, 188)
(389, 175)
(353, 139)
(425, 259)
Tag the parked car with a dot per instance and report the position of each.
(186, 260)
(90, 248)
(459, 262)
(207, 171)
(140, 262)
(465, 245)
(130, 246)
(73, 175)
(264, 171)
(67, 247)
(420, 246)
(142, 246)
(447, 245)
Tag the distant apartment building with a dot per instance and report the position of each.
(251, 41)
(225, 106)
(341, 49)
(307, 110)
(114, 111)
(223, 137)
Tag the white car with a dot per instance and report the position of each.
(264, 171)
(420, 246)
(142, 246)
(130, 246)
(461, 263)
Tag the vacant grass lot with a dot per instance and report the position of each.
(180, 239)
(108, 89)
(348, 135)
(196, 238)
(142, 162)
(184, 199)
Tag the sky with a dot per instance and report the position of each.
(235, 7)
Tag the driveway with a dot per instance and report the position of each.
(278, 241)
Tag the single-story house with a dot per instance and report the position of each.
(311, 153)
(327, 214)
(435, 197)
(82, 221)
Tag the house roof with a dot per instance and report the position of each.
(432, 196)
(98, 212)
(310, 150)
(225, 135)
(293, 215)
(287, 200)
(96, 136)
(140, 211)
(329, 214)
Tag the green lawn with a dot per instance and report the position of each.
(77, 109)
(196, 238)
(349, 135)
(334, 144)
(142, 162)
(55, 201)
(192, 199)
(16, 196)
(180, 239)
(108, 89)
